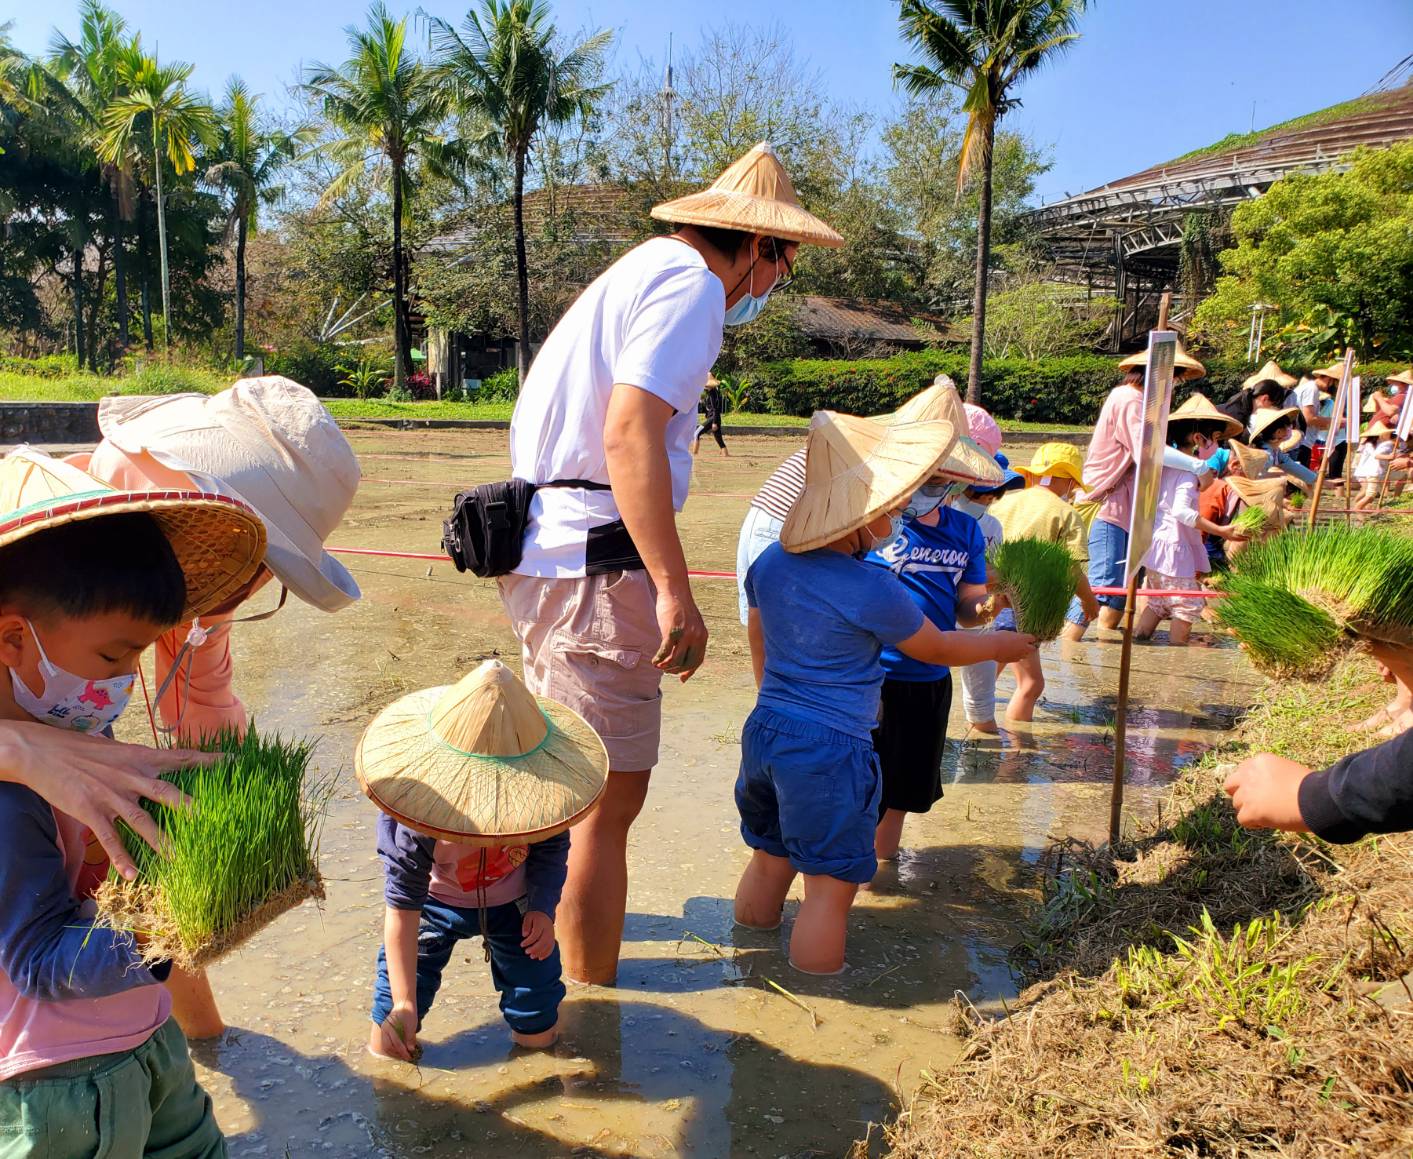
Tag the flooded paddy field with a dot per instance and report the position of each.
(694, 1053)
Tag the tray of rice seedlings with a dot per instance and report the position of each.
(1037, 578)
(1300, 599)
(241, 854)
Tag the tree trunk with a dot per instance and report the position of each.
(240, 290)
(402, 357)
(522, 273)
(144, 261)
(162, 244)
(100, 279)
(78, 306)
(983, 260)
(120, 277)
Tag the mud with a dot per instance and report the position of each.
(694, 1052)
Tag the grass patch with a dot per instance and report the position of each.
(153, 379)
(1234, 141)
(1038, 578)
(241, 854)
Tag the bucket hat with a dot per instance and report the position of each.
(984, 431)
(1010, 481)
(269, 442)
(966, 462)
(753, 194)
(1271, 372)
(1264, 420)
(1199, 407)
(1185, 367)
(219, 541)
(856, 470)
(482, 761)
(1052, 459)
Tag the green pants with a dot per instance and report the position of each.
(144, 1103)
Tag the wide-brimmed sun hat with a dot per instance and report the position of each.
(1252, 463)
(1335, 371)
(1051, 459)
(1271, 372)
(269, 442)
(1403, 376)
(753, 194)
(218, 541)
(966, 462)
(1185, 367)
(482, 761)
(1375, 429)
(1199, 408)
(984, 431)
(1263, 420)
(856, 470)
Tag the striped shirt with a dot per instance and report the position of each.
(778, 493)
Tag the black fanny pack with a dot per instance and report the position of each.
(485, 534)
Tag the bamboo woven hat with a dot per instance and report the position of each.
(1264, 420)
(966, 462)
(1403, 376)
(1376, 428)
(1271, 372)
(1334, 371)
(753, 194)
(219, 541)
(856, 470)
(712, 380)
(482, 761)
(1185, 367)
(1267, 494)
(1199, 407)
(1253, 463)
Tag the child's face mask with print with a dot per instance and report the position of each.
(81, 703)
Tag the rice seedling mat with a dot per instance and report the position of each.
(243, 852)
(1038, 579)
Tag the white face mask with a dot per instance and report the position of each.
(70, 701)
(895, 529)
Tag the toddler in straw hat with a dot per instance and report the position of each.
(478, 783)
(809, 788)
(90, 1061)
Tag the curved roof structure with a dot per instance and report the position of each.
(1134, 225)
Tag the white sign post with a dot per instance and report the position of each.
(1148, 473)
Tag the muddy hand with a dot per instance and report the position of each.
(684, 635)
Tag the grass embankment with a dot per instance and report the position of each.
(1209, 990)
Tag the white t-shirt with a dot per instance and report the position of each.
(652, 320)
(1308, 394)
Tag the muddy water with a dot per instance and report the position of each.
(693, 1052)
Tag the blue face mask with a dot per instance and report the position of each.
(747, 309)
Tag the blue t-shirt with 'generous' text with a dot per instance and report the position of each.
(825, 617)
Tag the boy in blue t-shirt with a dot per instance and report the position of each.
(940, 555)
(808, 789)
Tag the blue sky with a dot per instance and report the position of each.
(1149, 80)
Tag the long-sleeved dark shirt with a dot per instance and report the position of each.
(416, 866)
(1366, 792)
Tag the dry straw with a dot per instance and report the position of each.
(244, 852)
(1037, 577)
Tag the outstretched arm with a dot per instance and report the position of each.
(931, 645)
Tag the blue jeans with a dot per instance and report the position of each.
(1108, 553)
(809, 794)
(530, 991)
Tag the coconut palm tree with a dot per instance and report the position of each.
(386, 107)
(176, 119)
(511, 80)
(248, 157)
(985, 48)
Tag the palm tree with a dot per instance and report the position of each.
(985, 48)
(511, 80)
(385, 106)
(248, 157)
(177, 120)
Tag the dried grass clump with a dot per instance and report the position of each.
(1299, 599)
(1204, 990)
(1038, 578)
(243, 853)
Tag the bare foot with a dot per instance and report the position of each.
(990, 727)
(1379, 718)
(541, 1041)
(1398, 724)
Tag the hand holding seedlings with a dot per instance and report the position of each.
(1265, 791)
(399, 1035)
(538, 935)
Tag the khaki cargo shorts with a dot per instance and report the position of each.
(589, 643)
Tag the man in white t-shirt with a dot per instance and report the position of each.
(601, 599)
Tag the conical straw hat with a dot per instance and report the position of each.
(1264, 420)
(1185, 367)
(482, 761)
(1268, 494)
(1199, 407)
(1253, 463)
(218, 541)
(966, 462)
(1376, 428)
(753, 194)
(857, 470)
(1335, 371)
(1270, 373)
(1403, 376)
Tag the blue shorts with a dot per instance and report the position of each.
(809, 793)
(530, 991)
(1108, 555)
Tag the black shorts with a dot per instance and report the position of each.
(911, 733)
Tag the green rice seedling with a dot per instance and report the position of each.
(1251, 521)
(241, 854)
(1038, 578)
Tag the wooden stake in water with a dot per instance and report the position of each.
(1148, 468)
(1339, 420)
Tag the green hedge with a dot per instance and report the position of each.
(45, 366)
(1058, 390)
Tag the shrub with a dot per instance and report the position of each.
(502, 386)
(364, 380)
(311, 364)
(421, 387)
(156, 378)
(45, 366)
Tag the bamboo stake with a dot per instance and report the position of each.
(1341, 420)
